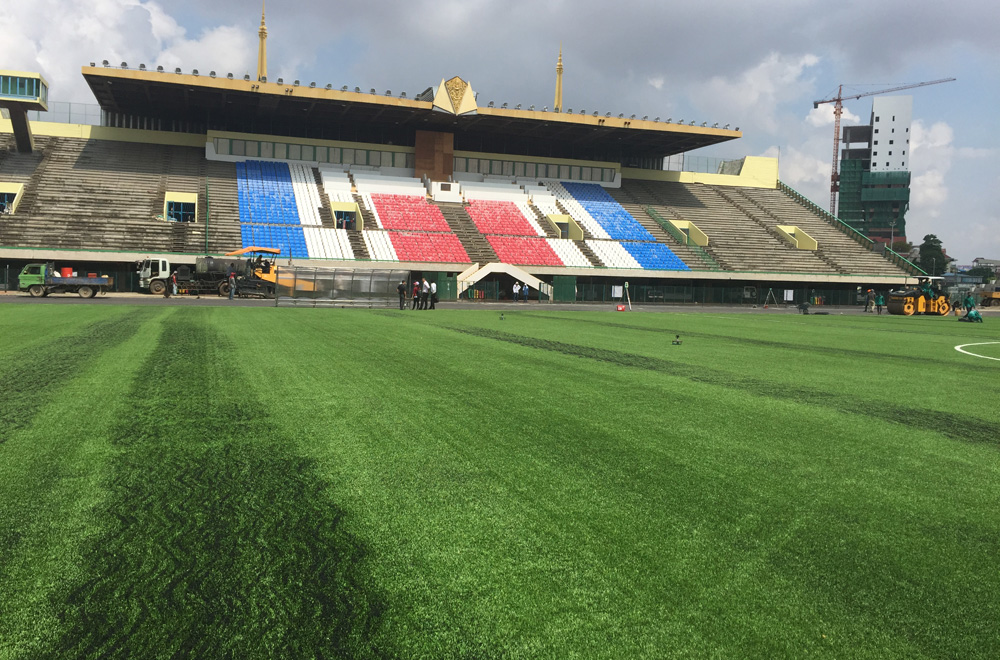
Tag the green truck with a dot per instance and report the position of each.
(42, 279)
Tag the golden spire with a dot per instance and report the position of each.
(559, 72)
(262, 49)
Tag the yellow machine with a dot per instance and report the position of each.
(260, 277)
(262, 267)
(921, 300)
(990, 297)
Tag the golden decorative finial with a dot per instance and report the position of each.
(262, 49)
(559, 72)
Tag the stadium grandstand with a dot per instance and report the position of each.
(186, 164)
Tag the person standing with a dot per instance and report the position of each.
(879, 302)
(232, 284)
(517, 289)
(969, 303)
(416, 295)
(425, 290)
(524, 292)
(401, 290)
(173, 282)
(434, 294)
(870, 301)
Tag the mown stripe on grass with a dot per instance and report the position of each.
(217, 542)
(31, 376)
(918, 360)
(957, 427)
(32, 379)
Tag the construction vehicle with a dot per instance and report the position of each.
(990, 297)
(923, 299)
(259, 276)
(40, 280)
(210, 275)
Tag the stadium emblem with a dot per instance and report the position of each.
(456, 97)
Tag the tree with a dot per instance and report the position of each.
(932, 259)
(985, 272)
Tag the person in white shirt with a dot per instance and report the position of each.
(425, 290)
(517, 290)
(434, 294)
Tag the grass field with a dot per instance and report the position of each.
(280, 483)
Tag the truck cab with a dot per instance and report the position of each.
(32, 275)
(153, 275)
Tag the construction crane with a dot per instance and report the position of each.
(838, 109)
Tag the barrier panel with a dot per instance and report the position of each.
(318, 287)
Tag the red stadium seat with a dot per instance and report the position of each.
(409, 213)
(524, 251)
(494, 217)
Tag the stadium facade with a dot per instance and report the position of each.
(474, 196)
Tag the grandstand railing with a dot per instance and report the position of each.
(683, 238)
(890, 254)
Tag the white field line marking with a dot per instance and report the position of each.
(961, 349)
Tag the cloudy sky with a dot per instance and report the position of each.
(758, 66)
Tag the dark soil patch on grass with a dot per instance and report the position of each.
(217, 541)
(958, 427)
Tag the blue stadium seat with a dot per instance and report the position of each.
(654, 256)
(618, 222)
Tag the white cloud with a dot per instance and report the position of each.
(56, 38)
(224, 49)
(823, 116)
(928, 190)
(931, 158)
(799, 168)
(656, 82)
(757, 91)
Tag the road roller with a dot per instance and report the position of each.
(920, 300)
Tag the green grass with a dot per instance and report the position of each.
(260, 483)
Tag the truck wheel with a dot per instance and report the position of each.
(157, 287)
(223, 288)
(85, 292)
(36, 290)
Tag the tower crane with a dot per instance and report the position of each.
(838, 109)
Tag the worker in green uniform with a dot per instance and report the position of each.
(927, 289)
(973, 316)
(969, 303)
(879, 303)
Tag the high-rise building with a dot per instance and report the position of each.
(874, 170)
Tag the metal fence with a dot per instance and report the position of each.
(318, 287)
(716, 295)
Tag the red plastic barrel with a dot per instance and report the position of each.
(66, 272)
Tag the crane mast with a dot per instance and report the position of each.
(838, 110)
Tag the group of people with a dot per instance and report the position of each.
(521, 290)
(874, 302)
(972, 314)
(424, 294)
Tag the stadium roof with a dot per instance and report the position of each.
(212, 103)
